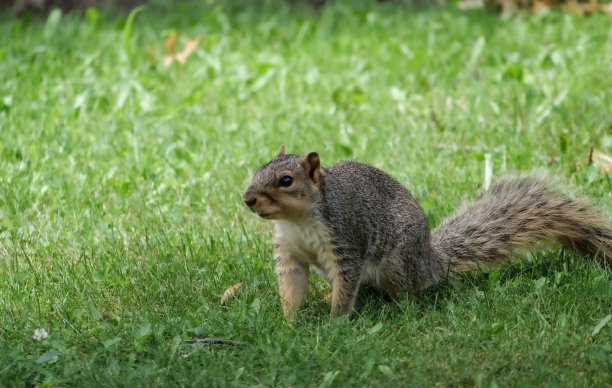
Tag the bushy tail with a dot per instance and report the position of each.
(519, 215)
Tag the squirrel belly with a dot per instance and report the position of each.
(355, 224)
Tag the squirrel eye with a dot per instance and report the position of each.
(285, 181)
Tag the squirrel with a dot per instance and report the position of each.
(357, 225)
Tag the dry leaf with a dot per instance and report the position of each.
(171, 42)
(229, 292)
(603, 161)
(466, 5)
(190, 46)
(328, 297)
(180, 57)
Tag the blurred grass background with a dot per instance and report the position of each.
(121, 220)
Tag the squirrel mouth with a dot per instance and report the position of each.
(264, 215)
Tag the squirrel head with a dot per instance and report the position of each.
(285, 187)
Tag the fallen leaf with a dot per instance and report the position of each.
(328, 297)
(180, 57)
(171, 42)
(603, 161)
(229, 292)
(190, 46)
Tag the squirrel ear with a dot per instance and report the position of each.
(312, 165)
(281, 150)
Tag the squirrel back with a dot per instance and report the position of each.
(356, 224)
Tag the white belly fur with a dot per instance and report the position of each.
(308, 240)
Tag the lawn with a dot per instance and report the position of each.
(122, 223)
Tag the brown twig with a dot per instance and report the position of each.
(215, 341)
(590, 161)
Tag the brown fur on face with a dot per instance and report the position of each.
(272, 200)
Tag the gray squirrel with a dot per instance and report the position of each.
(357, 225)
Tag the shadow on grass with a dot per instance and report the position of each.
(373, 304)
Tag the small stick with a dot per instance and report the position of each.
(590, 161)
(215, 341)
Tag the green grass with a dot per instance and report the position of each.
(121, 220)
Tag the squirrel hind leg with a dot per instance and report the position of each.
(405, 276)
(398, 294)
(344, 293)
(394, 283)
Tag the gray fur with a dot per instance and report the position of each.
(375, 219)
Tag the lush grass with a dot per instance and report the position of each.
(121, 220)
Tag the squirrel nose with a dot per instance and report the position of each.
(250, 201)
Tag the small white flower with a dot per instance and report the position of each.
(40, 334)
